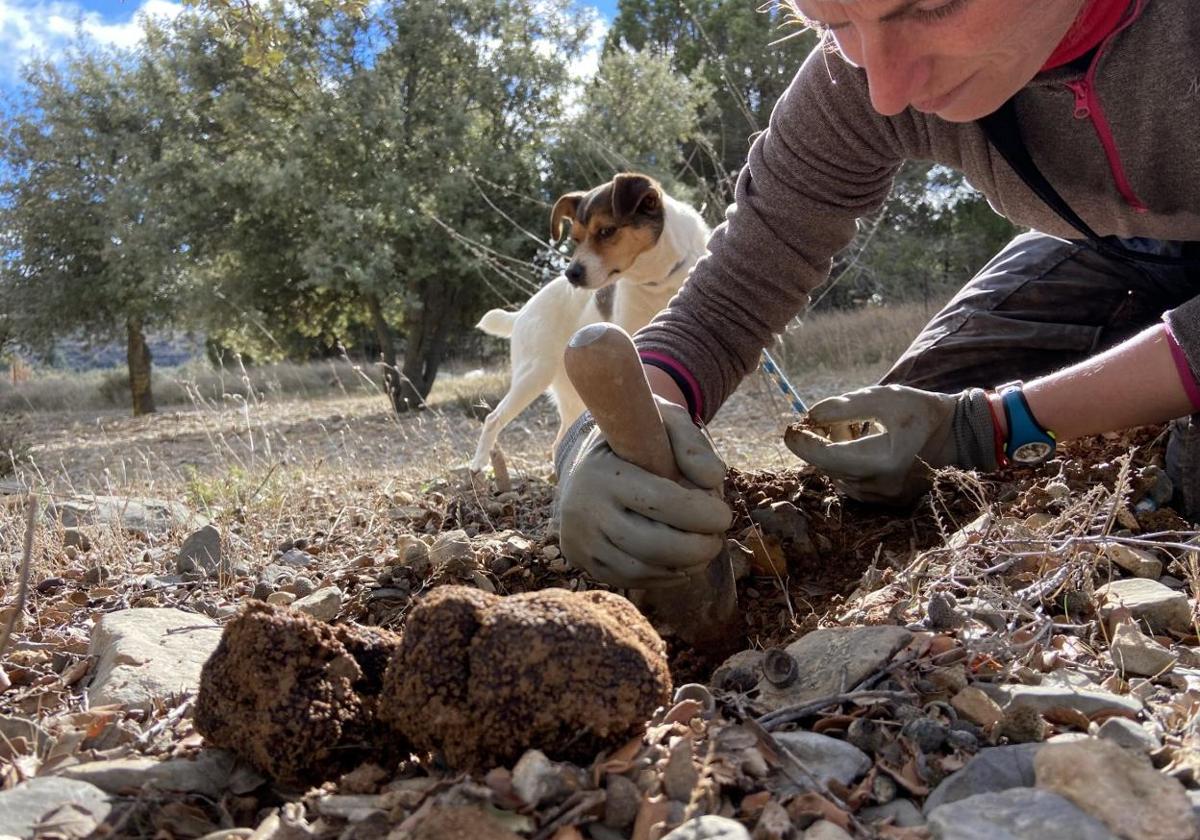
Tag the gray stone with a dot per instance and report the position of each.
(201, 551)
(537, 780)
(209, 774)
(452, 554)
(994, 769)
(149, 654)
(831, 658)
(25, 807)
(75, 538)
(297, 559)
(23, 736)
(1117, 787)
(276, 574)
(787, 523)
(141, 516)
(1126, 733)
(302, 587)
(281, 599)
(323, 605)
(825, 830)
(1044, 697)
(1017, 814)
(902, 812)
(1159, 607)
(1133, 652)
(621, 802)
(680, 777)
(1139, 563)
(825, 758)
(740, 672)
(709, 827)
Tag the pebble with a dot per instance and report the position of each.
(1042, 698)
(537, 780)
(977, 707)
(296, 558)
(993, 769)
(452, 554)
(323, 605)
(281, 599)
(77, 539)
(95, 575)
(210, 774)
(680, 776)
(1017, 814)
(200, 552)
(829, 658)
(1133, 652)
(826, 758)
(301, 587)
(1128, 734)
(1158, 607)
(622, 801)
(1117, 787)
(902, 813)
(262, 590)
(825, 830)
(25, 807)
(1136, 561)
(709, 827)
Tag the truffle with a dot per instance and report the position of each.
(482, 678)
(293, 696)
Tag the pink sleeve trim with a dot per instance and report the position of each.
(1190, 386)
(682, 374)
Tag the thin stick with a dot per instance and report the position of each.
(26, 562)
(777, 718)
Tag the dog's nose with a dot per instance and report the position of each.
(575, 272)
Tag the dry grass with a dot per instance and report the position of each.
(867, 339)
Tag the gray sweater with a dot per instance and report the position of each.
(828, 159)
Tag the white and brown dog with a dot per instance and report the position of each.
(634, 247)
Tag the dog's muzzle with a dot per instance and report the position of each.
(576, 274)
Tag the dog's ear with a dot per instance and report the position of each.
(564, 208)
(632, 192)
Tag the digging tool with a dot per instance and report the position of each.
(604, 367)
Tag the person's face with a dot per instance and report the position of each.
(959, 59)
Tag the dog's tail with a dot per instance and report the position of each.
(498, 322)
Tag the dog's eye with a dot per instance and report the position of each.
(605, 232)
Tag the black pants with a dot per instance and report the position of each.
(1042, 304)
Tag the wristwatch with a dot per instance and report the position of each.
(1028, 443)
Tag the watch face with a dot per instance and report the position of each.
(1034, 452)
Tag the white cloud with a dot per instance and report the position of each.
(42, 28)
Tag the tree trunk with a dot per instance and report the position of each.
(428, 330)
(137, 356)
(387, 344)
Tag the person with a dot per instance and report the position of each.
(1078, 119)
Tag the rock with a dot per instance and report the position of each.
(1133, 652)
(147, 655)
(943, 612)
(77, 539)
(787, 523)
(210, 774)
(48, 798)
(297, 559)
(902, 813)
(1117, 787)
(680, 776)
(452, 554)
(323, 605)
(281, 599)
(825, 830)
(825, 758)
(1139, 563)
(977, 707)
(538, 780)
(140, 516)
(276, 574)
(709, 827)
(262, 590)
(1125, 733)
(201, 551)
(740, 672)
(829, 658)
(622, 801)
(447, 821)
(1042, 698)
(1018, 814)
(993, 769)
(416, 558)
(315, 716)
(482, 677)
(20, 736)
(302, 587)
(1156, 606)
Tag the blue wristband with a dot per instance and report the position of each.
(1028, 443)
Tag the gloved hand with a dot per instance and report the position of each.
(630, 528)
(920, 430)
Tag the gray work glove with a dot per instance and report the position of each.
(919, 430)
(630, 528)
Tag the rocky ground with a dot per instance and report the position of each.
(1016, 657)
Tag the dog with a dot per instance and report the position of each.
(634, 247)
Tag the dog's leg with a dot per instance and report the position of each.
(528, 383)
(570, 406)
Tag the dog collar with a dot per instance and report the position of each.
(1028, 442)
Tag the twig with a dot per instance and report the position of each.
(788, 714)
(23, 587)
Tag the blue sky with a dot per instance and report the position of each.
(30, 28)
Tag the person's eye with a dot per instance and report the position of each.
(938, 10)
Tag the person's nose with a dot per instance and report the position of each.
(897, 75)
